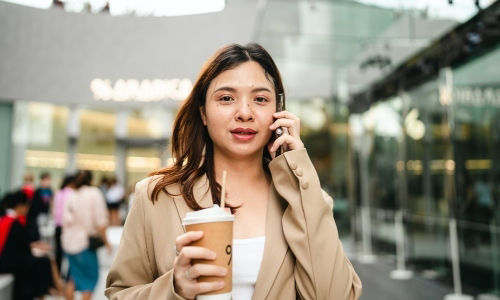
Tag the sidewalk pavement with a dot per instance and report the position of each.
(377, 284)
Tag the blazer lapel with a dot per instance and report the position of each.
(275, 247)
(201, 193)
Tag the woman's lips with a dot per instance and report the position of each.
(243, 134)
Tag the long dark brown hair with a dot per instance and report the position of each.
(82, 178)
(192, 147)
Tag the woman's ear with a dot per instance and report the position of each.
(203, 116)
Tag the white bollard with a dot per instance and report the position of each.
(367, 256)
(401, 273)
(455, 265)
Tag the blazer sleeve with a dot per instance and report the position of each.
(322, 271)
(131, 275)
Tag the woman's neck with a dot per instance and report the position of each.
(240, 172)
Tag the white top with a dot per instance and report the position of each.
(247, 257)
(115, 193)
(84, 213)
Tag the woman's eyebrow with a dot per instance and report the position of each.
(233, 90)
(261, 89)
(225, 88)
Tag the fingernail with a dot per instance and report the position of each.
(223, 271)
(221, 284)
(212, 255)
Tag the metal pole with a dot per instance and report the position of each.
(455, 263)
(455, 259)
(446, 99)
(121, 134)
(367, 256)
(73, 133)
(400, 273)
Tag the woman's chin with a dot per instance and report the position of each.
(245, 152)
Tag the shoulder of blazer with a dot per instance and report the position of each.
(145, 187)
(201, 193)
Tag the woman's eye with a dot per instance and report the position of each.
(260, 99)
(226, 98)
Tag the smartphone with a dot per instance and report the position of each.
(280, 106)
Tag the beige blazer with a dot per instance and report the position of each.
(303, 256)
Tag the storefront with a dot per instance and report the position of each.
(126, 143)
(434, 157)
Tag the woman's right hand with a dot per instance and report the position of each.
(186, 274)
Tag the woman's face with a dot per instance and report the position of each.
(238, 111)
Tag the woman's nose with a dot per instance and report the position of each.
(244, 112)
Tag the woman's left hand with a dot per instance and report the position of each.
(290, 139)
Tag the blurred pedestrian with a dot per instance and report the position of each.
(57, 213)
(40, 205)
(84, 217)
(34, 275)
(483, 190)
(104, 186)
(28, 188)
(114, 198)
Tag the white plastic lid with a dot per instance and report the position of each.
(211, 214)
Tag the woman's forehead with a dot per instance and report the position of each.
(248, 75)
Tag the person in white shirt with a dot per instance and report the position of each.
(114, 198)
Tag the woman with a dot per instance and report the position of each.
(34, 276)
(57, 213)
(283, 223)
(84, 215)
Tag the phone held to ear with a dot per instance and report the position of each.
(280, 106)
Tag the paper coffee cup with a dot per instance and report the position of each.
(217, 227)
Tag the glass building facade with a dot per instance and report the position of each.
(403, 170)
(434, 156)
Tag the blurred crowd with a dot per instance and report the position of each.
(49, 240)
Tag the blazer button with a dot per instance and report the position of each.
(305, 184)
(299, 172)
(293, 165)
